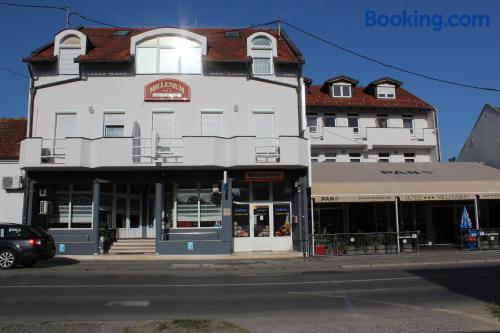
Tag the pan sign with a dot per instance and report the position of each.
(165, 90)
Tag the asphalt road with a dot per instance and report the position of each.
(446, 299)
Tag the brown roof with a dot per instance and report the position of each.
(104, 46)
(363, 97)
(12, 132)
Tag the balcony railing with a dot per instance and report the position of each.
(156, 149)
(53, 151)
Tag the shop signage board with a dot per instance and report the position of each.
(167, 90)
(354, 198)
(491, 196)
(437, 197)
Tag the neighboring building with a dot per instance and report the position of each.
(483, 143)
(12, 132)
(191, 137)
(378, 123)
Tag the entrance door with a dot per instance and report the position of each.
(128, 212)
(261, 227)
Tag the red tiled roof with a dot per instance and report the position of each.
(361, 97)
(105, 46)
(12, 132)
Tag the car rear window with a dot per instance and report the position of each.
(17, 232)
(39, 231)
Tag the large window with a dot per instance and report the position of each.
(72, 207)
(169, 55)
(262, 53)
(198, 208)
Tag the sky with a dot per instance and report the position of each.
(467, 54)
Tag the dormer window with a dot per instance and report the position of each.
(262, 54)
(341, 90)
(69, 48)
(386, 91)
(168, 55)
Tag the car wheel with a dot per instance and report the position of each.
(8, 259)
(30, 263)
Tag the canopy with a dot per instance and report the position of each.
(372, 182)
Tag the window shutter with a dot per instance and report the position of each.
(264, 125)
(211, 124)
(163, 123)
(65, 125)
(67, 64)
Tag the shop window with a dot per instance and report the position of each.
(198, 208)
(282, 223)
(169, 55)
(72, 208)
(282, 191)
(241, 220)
(261, 191)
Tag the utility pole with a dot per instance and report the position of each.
(68, 14)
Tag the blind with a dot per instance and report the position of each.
(65, 125)
(211, 124)
(67, 64)
(263, 125)
(113, 119)
(163, 123)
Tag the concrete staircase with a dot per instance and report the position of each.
(133, 246)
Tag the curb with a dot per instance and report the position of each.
(422, 263)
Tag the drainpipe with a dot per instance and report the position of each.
(436, 125)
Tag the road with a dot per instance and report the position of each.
(445, 299)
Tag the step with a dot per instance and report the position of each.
(131, 251)
(133, 244)
(139, 240)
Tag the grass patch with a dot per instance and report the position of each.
(192, 324)
(495, 310)
(161, 326)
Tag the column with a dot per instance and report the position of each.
(227, 208)
(476, 211)
(96, 203)
(158, 212)
(396, 202)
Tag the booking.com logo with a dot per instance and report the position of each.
(436, 22)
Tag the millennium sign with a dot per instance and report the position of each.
(165, 90)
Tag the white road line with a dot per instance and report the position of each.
(212, 284)
(129, 303)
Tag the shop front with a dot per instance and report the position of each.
(422, 199)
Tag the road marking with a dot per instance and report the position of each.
(212, 284)
(129, 303)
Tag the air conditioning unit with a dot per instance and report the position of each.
(45, 207)
(42, 192)
(12, 183)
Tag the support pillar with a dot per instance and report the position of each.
(30, 199)
(96, 205)
(397, 223)
(158, 212)
(476, 211)
(227, 210)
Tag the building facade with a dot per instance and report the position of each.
(483, 143)
(191, 137)
(381, 122)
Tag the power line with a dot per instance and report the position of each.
(312, 35)
(31, 6)
(92, 20)
(13, 72)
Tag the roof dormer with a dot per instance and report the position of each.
(385, 87)
(68, 45)
(339, 86)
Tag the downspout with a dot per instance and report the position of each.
(437, 134)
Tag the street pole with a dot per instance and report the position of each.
(397, 223)
(476, 211)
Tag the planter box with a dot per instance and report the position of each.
(320, 250)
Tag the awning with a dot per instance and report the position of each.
(381, 182)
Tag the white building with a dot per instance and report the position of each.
(191, 138)
(378, 123)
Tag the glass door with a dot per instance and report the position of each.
(261, 226)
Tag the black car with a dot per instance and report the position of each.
(24, 244)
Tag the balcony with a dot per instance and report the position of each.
(152, 152)
(372, 137)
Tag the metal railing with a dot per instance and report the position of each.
(267, 150)
(365, 243)
(163, 150)
(53, 151)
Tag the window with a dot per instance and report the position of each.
(312, 119)
(72, 207)
(314, 157)
(409, 157)
(341, 90)
(355, 157)
(409, 123)
(211, 124)
(163, 124)
(353, 121)
(113, 124)
(198, 208)
(69, 49)
(382, 120)
(384, 157)
(330, 157)
(386, 91)
(329, 120)
(168, 54)
(16, 232)
(262, 53)
(65, 125)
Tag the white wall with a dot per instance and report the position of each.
(11, 202)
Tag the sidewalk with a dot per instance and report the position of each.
(264, 263)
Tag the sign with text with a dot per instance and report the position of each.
(165, 90)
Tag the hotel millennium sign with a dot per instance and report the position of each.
(165, 90)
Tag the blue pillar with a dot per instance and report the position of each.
(227, 209)
(158, 212)
(96, 204)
